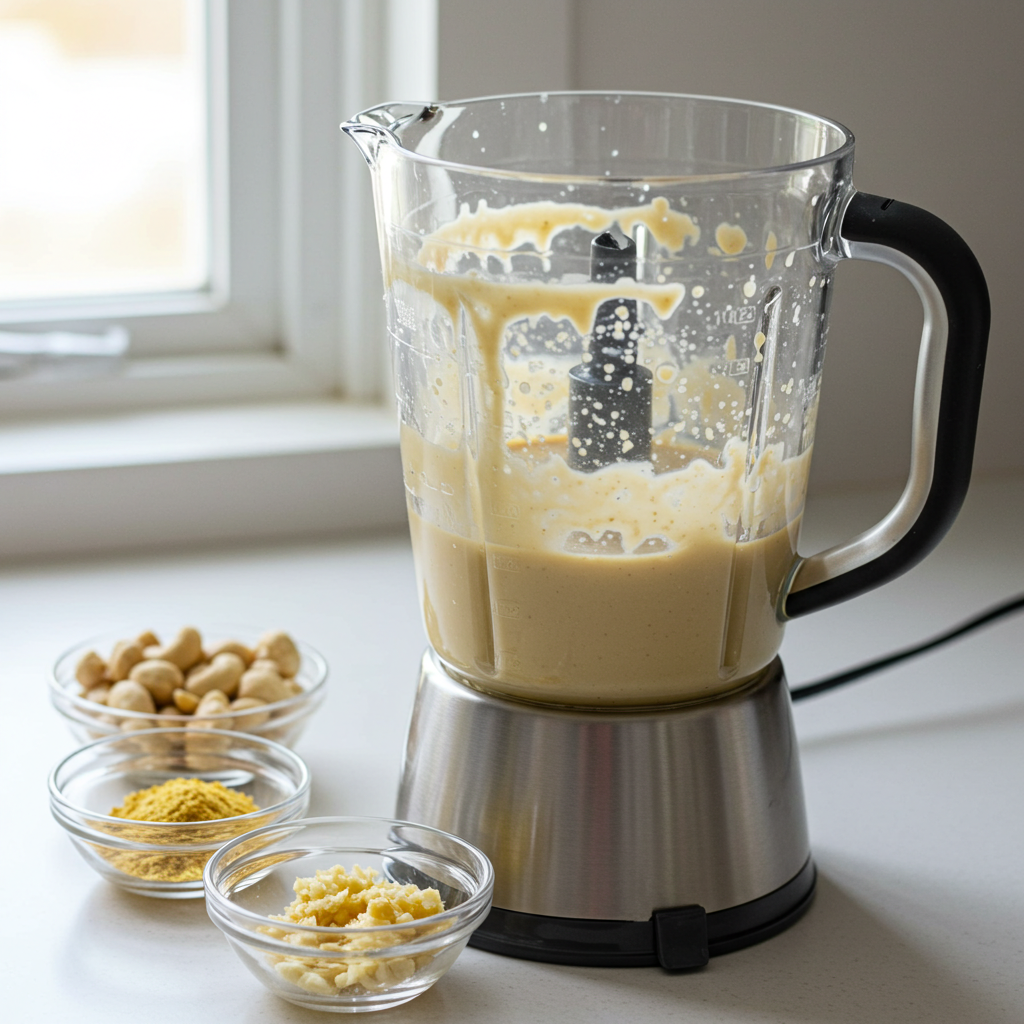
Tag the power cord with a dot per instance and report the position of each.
(831, 682)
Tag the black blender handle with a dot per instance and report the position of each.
(871, 223)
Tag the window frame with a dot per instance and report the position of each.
(298, 229)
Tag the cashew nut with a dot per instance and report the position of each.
(184, 701)
(125, 654)
(136, 724)
(223, 673)
(148, 639)
(281, 648)
(128, 695)
(246, 722)
(212, 705)
(264, 683)
(231, 647)
(98, 694)
(90, 670)
(213, 702)
(159, 677)
(266, 664)
(185, 650)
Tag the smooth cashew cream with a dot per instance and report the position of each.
(637, 583)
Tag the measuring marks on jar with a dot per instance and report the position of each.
(504, 635)
(741, 581)
(765, 342)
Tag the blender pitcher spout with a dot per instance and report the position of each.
(378, 126)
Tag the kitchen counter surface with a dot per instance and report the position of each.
(914, 782)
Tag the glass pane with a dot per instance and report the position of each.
(103, 147)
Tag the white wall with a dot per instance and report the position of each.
(934, 92)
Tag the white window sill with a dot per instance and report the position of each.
(188, 476)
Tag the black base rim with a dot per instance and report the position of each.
(583, 942)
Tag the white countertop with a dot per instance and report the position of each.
(914, 781)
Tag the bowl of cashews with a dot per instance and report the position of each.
(260, 682)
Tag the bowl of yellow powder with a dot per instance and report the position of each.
(148, 809)
(348, 914)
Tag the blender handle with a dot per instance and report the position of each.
(951, 286)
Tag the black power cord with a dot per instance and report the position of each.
(831, 682)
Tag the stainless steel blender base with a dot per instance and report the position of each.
(618, 837)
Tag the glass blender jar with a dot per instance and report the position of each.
(608, 317)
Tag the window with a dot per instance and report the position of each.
(265, 284)
(104, 169)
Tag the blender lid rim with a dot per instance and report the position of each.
(838, 153)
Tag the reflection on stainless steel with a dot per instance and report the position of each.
(611, 815)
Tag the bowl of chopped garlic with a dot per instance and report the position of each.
(227, 677)
(348, 914)
(148, 809)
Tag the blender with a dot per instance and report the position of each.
(608, 316)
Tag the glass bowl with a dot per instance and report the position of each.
(283, 720)
(346, 970)
(160, 858)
